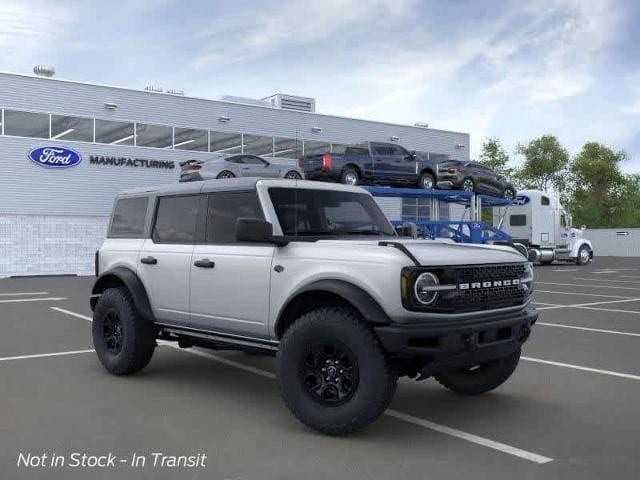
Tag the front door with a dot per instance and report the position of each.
(164, 263)
(230, 281)
(253, 166)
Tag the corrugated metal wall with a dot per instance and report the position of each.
(618, 242)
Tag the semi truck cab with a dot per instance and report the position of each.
(538, 221)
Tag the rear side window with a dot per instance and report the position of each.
(176, 219)
(128, 218)
(224, 210)
(357, 151)
(544, 200)
(518, 220)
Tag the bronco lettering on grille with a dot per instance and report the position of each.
(488, 284)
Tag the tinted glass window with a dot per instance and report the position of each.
(114, 133)
(224, 142)
(357, 151)
(518, 220)
(176, 219)
(544, 200)
(158, 136)
(381, 150)
(338, 148)
(71, 128)
(128, 218)
(324, 212)
(258, 145)
(253, 160)
(397, 150)
(235, 159)
(191, 139)
(224, 210)
(26, 124)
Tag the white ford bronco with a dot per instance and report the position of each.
(315, 274)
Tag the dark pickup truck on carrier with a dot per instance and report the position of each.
(372, 163)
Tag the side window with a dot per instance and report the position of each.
(518, 220)
(176, 219)
(397, 150)
(237, 159)
(224, 210)
(251, 160)
(381, 149)
(544, 201)
(563, 221)
(128, 218)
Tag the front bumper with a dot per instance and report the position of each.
(451, 343)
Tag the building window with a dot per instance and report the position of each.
(257, 145)
(191, 139)
(224, 142)
(71, 128)
(114, 133)
(316, 148)
(287, 148)
(157, 136)
(26, 124)
(416, 209)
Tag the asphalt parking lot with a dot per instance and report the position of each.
(570, 411)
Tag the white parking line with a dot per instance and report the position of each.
(73, 314)
(579, 293)
(587, 329)
(584, 305)
(588, 286)
(16, 294)
(616, 310)
(43, 355)
(18, 300)
(564, 270)
(485, 442)
(579, 367)
(608, 280)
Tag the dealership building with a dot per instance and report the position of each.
(110, 139)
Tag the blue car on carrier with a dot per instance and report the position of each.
(372, 163)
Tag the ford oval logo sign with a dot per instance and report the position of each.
(55, 157)
(521, 200)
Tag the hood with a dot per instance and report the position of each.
(443, 252)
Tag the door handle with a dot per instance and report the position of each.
(149, 260)
(204, 263)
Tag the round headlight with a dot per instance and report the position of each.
(425, 288)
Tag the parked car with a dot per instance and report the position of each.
(372, 163)
(242, 165)
(294, 268)
(474, 177)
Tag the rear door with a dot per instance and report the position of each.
(229, 280)
(382, 161)
(165, 259)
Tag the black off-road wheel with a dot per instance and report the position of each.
(332, 372)
(123, 340)
(480, 378)
(350, 176)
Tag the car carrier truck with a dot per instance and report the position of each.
(538, 221)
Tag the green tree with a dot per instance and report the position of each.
(494, 156)
(601, 195)
(545, 164)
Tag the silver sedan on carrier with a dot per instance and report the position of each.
(242, 165)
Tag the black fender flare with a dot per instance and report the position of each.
(364, 303)
(123, 275)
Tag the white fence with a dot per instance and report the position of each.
(615, 242)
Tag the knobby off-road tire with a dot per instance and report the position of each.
(360, 382)
(482, 378)
(123, 340)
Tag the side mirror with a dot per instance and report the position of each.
(256, 230)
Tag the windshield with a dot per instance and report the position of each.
(306, 212)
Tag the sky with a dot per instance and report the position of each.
(508, 69)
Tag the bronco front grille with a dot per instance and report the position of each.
(478, 287)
